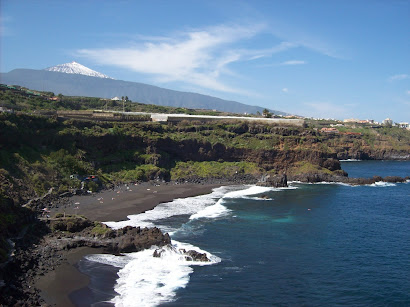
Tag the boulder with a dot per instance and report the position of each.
(275, 181)
(192, 255)
(131, 239)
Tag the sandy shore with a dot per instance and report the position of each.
(55, 286)
(108, 205)
(124, 200)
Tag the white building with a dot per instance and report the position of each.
(404, 125)
(388, 122)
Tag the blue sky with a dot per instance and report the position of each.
(331, 59)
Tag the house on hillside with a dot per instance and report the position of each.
(404, 125)
(388, 122)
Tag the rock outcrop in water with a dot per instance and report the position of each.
(325, 177)
(190, 255)
(275, 181)
(132, 239)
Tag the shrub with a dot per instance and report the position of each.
(100, 229)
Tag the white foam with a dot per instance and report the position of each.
(382, 184)
(325, 182)
(145, 280)
(117, 261)
(219, 209)
(350, 160)
(214, 211)
(179, 206)
(251, 190)
(257, 198)
(338, 183)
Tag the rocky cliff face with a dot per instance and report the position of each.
(373, 154)
(43, 247)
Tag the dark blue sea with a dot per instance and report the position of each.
(309, 244)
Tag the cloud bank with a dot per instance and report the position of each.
(198, 57)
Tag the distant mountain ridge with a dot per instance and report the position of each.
(72, 84)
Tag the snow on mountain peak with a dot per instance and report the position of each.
(76, 68)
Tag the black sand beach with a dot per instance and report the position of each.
(110, 205)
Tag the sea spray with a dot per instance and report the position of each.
(211, 212)
(382, 184)
(145, 280)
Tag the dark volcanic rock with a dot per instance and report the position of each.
(135, 239)
(276, 181)
(192, 255)
(315, 177)
(394, 179)
(332, 164)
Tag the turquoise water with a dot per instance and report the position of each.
(315, 245)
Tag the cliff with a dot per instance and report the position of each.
(39, 153)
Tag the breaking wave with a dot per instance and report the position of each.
(145, 280)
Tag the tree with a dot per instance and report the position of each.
(266, 113)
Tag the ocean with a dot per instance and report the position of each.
(308, 244)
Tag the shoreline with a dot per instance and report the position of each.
(116, 204)
(56, 286)
(129, 199)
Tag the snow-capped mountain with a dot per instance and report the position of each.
(78, 69)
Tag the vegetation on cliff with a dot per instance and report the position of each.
(23, 99)
(45, 154)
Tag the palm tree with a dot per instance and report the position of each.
(266, 113)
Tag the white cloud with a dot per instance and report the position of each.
(285, 90)
(399, 77)
(408, 92)
(293, 62)
(199, 57)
